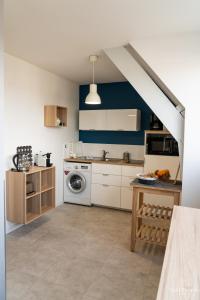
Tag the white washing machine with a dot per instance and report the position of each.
(77, 183)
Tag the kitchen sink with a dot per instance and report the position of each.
(109, 160)
(113, 159)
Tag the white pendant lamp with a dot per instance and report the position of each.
(93, 97)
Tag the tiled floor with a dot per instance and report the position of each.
(80, 253)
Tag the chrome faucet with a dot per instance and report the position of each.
(104, 154)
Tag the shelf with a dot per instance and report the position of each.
(47, 189)
(31, 217)
(34, 180)
(47, 200)
(148, 211)
(52, 113)
(39, 183)
(32, 195)
(47, 179)
(32, 208)
(152, 234)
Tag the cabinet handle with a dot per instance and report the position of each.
(91, 129)
(105, 174)
(106, 185)
(120, 129)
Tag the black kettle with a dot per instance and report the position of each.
(19, 163)
(15, 160)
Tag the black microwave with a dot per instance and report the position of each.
(161, 144)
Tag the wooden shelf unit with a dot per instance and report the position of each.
(155, 212)
(54, 112)
(23, 208)
(47, 179)
(150, 223)
(152, 234)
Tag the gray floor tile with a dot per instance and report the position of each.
(80, 253)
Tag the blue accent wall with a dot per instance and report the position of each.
(117, 95)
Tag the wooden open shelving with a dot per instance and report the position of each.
(157, 233)
(47, 179)
(151, 223)
(52, 113)
(23, 208)
(47, 200)
(154, 212)
(32, 208)
(152, 234)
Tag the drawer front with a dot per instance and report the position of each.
(131, 171)
(106, 179)
(126, 180)
(126, 198)
(105, 195)
(106, 169)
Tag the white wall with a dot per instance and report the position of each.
(2, 220)
(176, 60)
(27, 89)
(115, 150)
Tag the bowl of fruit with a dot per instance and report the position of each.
(149, 178)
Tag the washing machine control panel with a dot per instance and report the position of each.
(84, 167)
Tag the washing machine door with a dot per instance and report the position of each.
(76, 182)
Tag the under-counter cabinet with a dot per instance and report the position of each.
(111, 185)
(128, 174)
(114, 120)
(106, 183)
(29, 194)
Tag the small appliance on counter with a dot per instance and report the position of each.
(126, 157)
(161, 144)
(22, 160)
(155, 123)
(43, 160)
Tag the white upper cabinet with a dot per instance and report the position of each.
(115, 120)
(123, 119)
(92, 119)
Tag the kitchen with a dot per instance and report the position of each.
(57, 249)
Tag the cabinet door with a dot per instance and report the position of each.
(123, 119)
(106, 195)
(92, 120)
(131, 171)
(126, 198)
(106, 179)
(106, 169)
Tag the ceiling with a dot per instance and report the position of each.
(59, 35)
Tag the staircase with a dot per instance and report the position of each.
(151, 89)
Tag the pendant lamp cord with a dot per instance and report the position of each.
(93, 72)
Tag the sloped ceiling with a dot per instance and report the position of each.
(59, 35)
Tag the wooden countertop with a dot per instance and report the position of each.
(113, 161)
(33, 169)
(180, 277)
